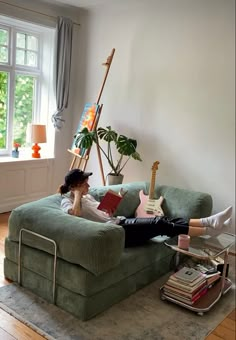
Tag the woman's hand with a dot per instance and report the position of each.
(80, 189)
(77, 191)
(110, 212)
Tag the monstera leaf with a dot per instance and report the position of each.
(107, 134)
(124, 146)
(85, 138)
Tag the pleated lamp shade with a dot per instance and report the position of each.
(38, 135)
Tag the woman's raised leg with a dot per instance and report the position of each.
(217, 221)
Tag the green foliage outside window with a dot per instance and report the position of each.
(24, 101)
(3, 108)
(23, 107)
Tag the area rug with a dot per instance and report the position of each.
(143, 315)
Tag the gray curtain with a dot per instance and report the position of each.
(63, 66)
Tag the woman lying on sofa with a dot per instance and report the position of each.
(137, 230)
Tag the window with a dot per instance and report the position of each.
(26, 94)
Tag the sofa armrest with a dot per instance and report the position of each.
(95, 246)
(185, 203)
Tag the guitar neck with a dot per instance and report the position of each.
(152, 185)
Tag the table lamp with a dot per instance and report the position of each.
(38, 135)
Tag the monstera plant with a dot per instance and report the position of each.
(110, 144)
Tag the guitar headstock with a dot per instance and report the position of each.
(155, 166)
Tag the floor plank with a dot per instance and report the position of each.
(17, 329)
(224, 333)
(232, 315)
(5, 336)
(213, 337)
(228, 323)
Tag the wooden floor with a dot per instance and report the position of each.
(10, 328)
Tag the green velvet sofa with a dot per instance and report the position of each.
(93, 269)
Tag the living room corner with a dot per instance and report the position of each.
(171, 87)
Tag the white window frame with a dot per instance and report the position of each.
(44, 104)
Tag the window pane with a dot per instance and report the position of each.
(32, 43)
(20, 40)
(3, 37)
(3, 108)
(20, 57)
(31, 59)
(3, 54)
(24, 106)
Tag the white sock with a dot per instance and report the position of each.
(228, 223)
(214, 232)
(225, 226)
(216, 221)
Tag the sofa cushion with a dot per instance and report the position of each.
(177, 202)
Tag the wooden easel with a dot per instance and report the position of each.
(80, 161)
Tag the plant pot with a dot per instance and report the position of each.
(15, 153)
(114, 179)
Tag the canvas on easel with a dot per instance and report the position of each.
(88, 120)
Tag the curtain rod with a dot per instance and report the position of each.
(31, 10)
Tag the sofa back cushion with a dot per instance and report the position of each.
(177, 202)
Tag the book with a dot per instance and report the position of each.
(183, 289)
(110, 201)
(188, 301)
(200, 293)
(187, 274)
(213, 274)
(213, 279)
(179, 298)
(189, 284)
(185, 286)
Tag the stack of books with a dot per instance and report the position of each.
(186, 285)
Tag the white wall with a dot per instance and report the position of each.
(171, 86)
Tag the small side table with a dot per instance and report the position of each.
(201, 247)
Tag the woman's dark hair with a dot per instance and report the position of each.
(63, 189)
(73, 178)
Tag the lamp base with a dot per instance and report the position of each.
(36, 149)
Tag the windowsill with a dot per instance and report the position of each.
(8, 159)
(25, 154)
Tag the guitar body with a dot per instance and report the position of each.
(150, 207)
(145, 202)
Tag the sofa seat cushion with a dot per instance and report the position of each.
(78, 240)
(77, 279)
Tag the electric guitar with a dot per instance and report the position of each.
(150, 207)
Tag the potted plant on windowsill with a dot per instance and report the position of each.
(116, 144)
(15, 151)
